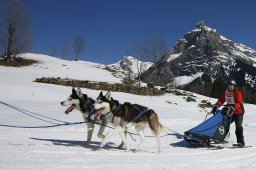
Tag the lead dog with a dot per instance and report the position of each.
(127, 115)
(78, 100)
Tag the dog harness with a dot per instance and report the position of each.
(91, 112)
(133, 119)
(118, 108)
(136, 117)
(139, 115)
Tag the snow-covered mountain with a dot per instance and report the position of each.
(131, 65)
(204, 56)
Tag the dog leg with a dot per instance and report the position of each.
(156, 132)
(156, 127)
(158, 142)
(118, 129)
(90, 128)
(140, 130)
(122, 144)
(126, 130)
(101, 130)
(124, 141)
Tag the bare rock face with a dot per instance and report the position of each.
(202, 57)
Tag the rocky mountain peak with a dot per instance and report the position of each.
(129, 64)
(201, 24)
(206, 56)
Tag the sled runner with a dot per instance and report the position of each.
(214, 130)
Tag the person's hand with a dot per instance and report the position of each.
(230, 111)
(214, 109)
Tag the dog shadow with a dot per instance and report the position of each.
(72, 143)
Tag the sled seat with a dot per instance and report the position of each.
(213, 130)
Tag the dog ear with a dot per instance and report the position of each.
(108, 96)
(101, 94)
(73, 91)
(79, 92)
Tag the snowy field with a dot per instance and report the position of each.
(28, 104)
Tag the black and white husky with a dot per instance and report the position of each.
(125, 116)
(78, 100)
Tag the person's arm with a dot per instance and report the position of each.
(239, 100)
(221, 100)
(218, 104)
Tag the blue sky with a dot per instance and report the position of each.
(110, 26)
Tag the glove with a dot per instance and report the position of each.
(214, 109)
(230, 111)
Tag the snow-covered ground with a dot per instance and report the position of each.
(61, 147)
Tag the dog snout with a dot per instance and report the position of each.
(62, 103)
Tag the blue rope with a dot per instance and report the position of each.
(63, 122)
(32, 113)
(38, 127)
(35, 115)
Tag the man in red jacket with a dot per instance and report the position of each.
(233, 97)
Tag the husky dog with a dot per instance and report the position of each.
(127, 115)
(78, 100)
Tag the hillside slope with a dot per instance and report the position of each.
(25, 103)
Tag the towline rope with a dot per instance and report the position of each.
(64, 123)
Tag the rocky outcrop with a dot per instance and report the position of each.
(202, 61)
(101, 86)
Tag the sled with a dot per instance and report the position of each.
(214, 130)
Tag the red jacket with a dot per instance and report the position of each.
(234, 99)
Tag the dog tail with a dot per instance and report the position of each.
(155, 124)
(163, 128)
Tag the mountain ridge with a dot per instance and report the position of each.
(129, 65)
(202, 57)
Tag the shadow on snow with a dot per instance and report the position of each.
(72, 143)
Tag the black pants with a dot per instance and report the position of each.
(238, 119)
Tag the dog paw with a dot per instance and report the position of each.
(85, 144)
(101, 136)
(137, 150)
(102, 144)
(121, 145)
